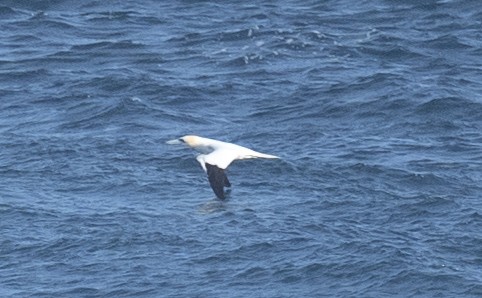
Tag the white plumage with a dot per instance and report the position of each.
(216, 156)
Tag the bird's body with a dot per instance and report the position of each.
(216, 156)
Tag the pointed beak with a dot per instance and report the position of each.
(174, 142)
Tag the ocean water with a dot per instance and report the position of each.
(374, 106)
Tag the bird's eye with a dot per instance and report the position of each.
(182, 140)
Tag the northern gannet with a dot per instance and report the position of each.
(216, 156)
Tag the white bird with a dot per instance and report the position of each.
(216, 157)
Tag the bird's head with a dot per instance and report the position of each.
(189, 140)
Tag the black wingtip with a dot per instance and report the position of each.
(217, 180)
(226, 181)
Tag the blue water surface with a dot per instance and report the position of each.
(375, 108)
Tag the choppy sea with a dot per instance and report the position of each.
(374, 106)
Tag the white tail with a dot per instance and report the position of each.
(268, 156)
(255, 154)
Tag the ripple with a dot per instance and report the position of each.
(375, 111)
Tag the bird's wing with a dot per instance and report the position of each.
(217, 180)
(221, 158)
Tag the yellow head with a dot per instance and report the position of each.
(190, 140)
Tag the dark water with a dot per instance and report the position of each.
(374, 106)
